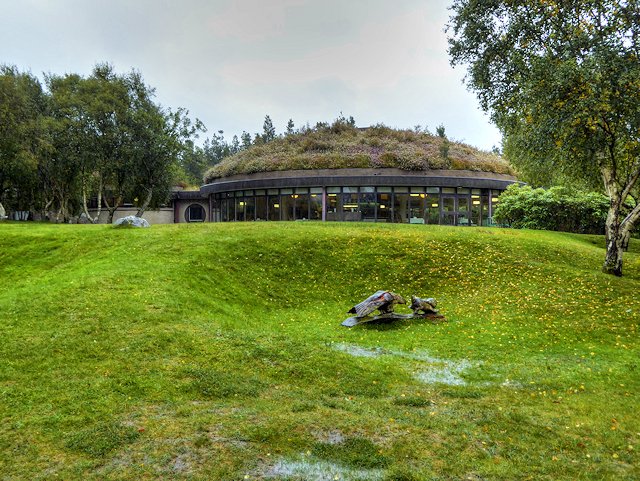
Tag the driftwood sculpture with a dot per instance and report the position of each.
(424, 306)
(381, 300)
(384, 302)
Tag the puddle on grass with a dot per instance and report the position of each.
(439, 371)
(448, 373)
(329, 437)
(359, 351)
(317, 470)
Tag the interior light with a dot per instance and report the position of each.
(422, 195)
(332, 195)
(494, 199)
(277, 206)
(434, 205)
(383, 206)
(241, 204)
(414, 195)
(476, 202)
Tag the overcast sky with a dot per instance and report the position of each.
(231, 62)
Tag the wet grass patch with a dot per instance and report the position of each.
(101, 439)
(219, 384)
(355, 452)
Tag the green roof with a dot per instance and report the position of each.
(341, 146)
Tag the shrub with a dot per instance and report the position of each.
(557, 208)
(314, 145)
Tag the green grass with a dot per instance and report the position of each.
(215, 352)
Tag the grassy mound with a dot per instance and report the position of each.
(342, 146)
(216, 352)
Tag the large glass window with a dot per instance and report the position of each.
(334, 206)
(494, 201)
(315, 206)
(261, 208)
(415, 204)
(274, 207)
(240, 203)
(484, 204)
(350, 207)
(385, 208)
(448, 209)
(301, 206)
(432, 209)
(287, 206)
(476, 207)
(368, 206)
(400, 207)
(463, 210)
(249, 208)
(416, 208)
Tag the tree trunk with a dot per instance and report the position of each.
(93, 220)
(112, 209)
(145, 204)
(615, 248)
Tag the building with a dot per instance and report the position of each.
(448, 197)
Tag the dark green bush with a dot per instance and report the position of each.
(557, 208)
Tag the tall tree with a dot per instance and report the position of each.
(245, 139)
(290, 127)
(561, 80)
(22, 137)
(268, 130)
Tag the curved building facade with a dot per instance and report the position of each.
(448, 197)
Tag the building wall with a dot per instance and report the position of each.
(182, 205)
(163, 215)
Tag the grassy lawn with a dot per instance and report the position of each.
(215, 352)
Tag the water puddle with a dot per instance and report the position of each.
(432, 370)
(316, 470)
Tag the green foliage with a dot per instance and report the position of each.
(23, 105)
(268, 130)
(562, 82)
(290, 127)
(557, 208)
(102, 136)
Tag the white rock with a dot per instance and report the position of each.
(131, 221)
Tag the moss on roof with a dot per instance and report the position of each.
(341, 146)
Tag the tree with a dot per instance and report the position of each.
(561, 79)
(157, 139)
(445, 144)
(268, 130)
(245, 139)
(290, 127)
(22, 137)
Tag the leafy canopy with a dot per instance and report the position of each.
(561, 80)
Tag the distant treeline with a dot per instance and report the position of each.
(74, 142)
(77, 140)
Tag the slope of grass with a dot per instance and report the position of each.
(216, 352)
(342, 146)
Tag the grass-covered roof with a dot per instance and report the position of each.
(341, 145)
